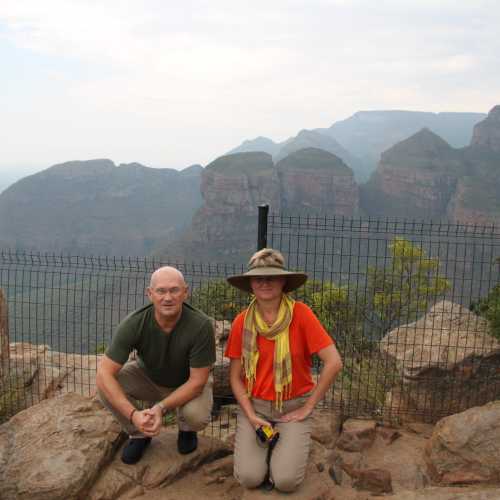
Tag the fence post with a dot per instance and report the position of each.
(4, 336)
(262, 228)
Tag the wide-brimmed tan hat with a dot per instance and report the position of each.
(268, 262)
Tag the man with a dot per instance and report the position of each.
(175, 348)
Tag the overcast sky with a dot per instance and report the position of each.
(169, 84)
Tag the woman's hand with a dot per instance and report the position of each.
(296, 415)
(257, 422)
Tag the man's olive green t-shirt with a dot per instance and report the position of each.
(165, 357)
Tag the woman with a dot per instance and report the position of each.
(270, 347)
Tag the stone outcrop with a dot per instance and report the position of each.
(357, 435)
(37, 373)
(476, 199)
(55, 450)
(68, 448)
(307, 181)
(464, 448)
(423, 177)
(416, 177)
(232, 187)
(315, 181)
(160, 467)
(447, 362)
(487, 133)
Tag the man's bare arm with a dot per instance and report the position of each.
(106, 382)
(191, 389)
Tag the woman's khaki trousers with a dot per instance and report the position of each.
(288, 462)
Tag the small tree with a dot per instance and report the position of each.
(218, 299)
(404, 289)
(489, 308)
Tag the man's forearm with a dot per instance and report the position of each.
(114, 394)
(326, 377)
(182, 395)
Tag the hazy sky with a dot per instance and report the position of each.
(175, 83)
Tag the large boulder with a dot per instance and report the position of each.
(464, 448)
(447, 362)
(56, 449)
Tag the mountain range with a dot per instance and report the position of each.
(360, 139)
(443, 166)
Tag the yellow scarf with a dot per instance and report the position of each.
(282, 363)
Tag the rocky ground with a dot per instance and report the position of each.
(68, 447)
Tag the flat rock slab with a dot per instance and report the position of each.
(436, 493)
(160, 466)
(55, 449)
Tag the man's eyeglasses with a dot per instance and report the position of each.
(173, 292)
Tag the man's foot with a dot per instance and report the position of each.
(187, 442)
(134, 449)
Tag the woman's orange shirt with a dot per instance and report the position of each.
(307, 336)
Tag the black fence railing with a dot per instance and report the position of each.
(414, 307)
(411, 306)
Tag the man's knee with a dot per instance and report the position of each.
(196, 415)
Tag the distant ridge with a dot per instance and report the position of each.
(366, 134)
(95, 207)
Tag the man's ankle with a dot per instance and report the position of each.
(134, 449)
(187, 442)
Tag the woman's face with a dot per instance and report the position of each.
(266, 288)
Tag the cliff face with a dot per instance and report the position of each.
(315, 181)
(487, 132)
(415, 178)
(232, 187)
(476, 199)
(423, 177)
(225, 227)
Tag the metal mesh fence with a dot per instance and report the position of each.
(396, 295)
(61, 312)
(406, 302)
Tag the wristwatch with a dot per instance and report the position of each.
(163, 407)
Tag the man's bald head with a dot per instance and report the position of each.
(167, 291)
(168, 272)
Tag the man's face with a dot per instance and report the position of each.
(167, 293)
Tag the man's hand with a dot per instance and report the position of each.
(296, 415)
(148, 421)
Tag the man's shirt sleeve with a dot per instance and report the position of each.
(203, 352)
(122, 343)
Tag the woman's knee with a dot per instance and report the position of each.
(249, 478)
(287, 482)
(196, 417)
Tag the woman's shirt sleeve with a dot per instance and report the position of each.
(317, 337)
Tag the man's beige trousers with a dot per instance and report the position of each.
(193, 416)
